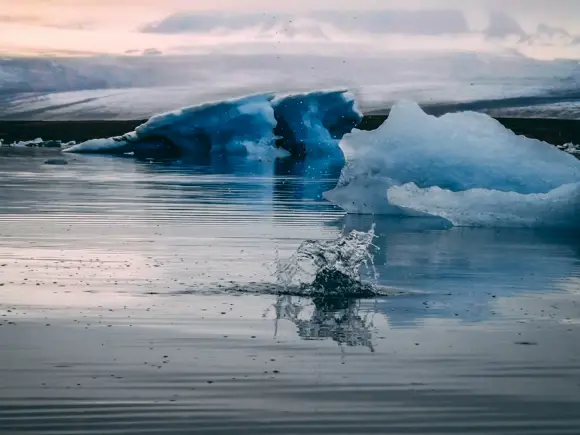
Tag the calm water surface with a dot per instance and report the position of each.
(118, 315)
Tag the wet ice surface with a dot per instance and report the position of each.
(119, 312)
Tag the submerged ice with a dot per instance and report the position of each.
(465, 167)
(299, 124)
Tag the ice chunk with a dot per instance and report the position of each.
(37, 143)
(458, 157)
(112, 145)
(57, 162)
(492, 208)
(310, 123)
(224, 127)
(313, 123)
(28, 143)
(570, 148)
(365, 193)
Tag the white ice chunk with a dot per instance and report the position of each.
(111, 145)
(452, 154)
(28, 143)
(492, 208)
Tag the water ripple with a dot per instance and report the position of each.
(137, 299)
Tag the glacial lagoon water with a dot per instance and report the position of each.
(121, 309)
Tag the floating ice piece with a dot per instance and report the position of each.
(492, 208)
(37, 143)
(458, 157)
(313, 123)
(303, 124)
(570, 148)
(112, 145)
(217, 127)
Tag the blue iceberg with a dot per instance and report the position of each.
(257, 125)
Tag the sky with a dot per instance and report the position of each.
(382, 49)
(147, 27)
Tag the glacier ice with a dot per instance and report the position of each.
(301, 124)
(570, 148)
(37, 143)
(465, 167)
(26, 143)
(313, 123)
(220, 127)
(492, 208)
(111, 145)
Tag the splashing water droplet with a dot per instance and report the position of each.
(332, 268)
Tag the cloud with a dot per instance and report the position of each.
(344, 32)
(202, 22)
(552, 31)
(84, 25)
(339, 29)
(151, 52)
(145, 52)
(37, 21)
(419, 22)
(502, 26)
(28, 19)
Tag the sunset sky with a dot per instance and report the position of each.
(87, 27)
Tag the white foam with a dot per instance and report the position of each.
(465, 166)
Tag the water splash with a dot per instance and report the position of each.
(332, 269)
